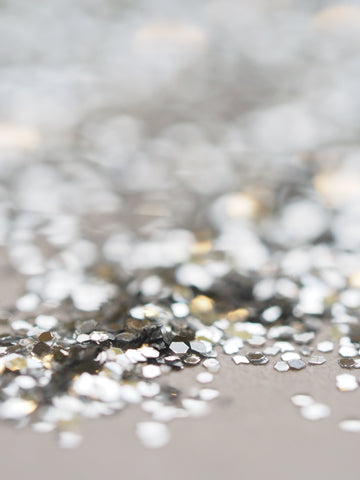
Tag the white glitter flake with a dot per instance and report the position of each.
(346, 382)
(315, 411)
(153, 434)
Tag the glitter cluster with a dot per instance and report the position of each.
(147, 228)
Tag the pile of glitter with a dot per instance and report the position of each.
(171, 192)
(103, 322)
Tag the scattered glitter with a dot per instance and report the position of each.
(43, 427)
(315, 411)
(192, 360)
(180, 310)
(271, 351)
(129, 269)
(179, 347)
(205, 377)
(97, 387)
(348, 351)
(296, 364)
(352, 426)
(232, 345)
(208, 394)
(202, 346)
(346, 362)
(151, 371)
(153, 434)
(281, 366)
(303, 338)
(196, 408)
(290, 356)
(306, 351)
(149, 352)
(148, 389)
(212, 365)
(346, 382)
(284, 346)
(325, 347)
(301, 400)
(46, 322)
(69, 440)
(257, 358)
(238, 359)
(16, 408)
(316, 360)
(28, 302)
(256, 341)
(271, 314)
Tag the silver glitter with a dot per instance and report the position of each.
(201, 346)
(232, 345)
(281, 331)
(356, 363)
(325, 347)
(16, 408)
(317, 360)
(196, 408)
(281, 366)
(296, 364)
(153, 434)
(284, 346)
(290, 356)
(271, 314)
(148, 390)
(43, 427)
(303, 338)
(208, 394)
(192, 360)
(347, 363)
(306, 351)
(97, 387)
(69, 439)
(212, 365)
(271, 351)
(257, 358)
(256, 341)
(180, 310)
(238, 359)
(149, 352)
(348, 351)
(25, 382)
(112, 293)
(151, 286)
(195, 275)
(179, 347)
(346, 382)
(302, 400)
(135, 356)
(352, 426)
(205, 377)
(151, 371)
(46, 322)
(315, 411)
(82, 338)
(28, 302)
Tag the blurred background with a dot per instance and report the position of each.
(110, 107)
(194, 90)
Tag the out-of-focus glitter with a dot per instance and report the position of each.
(146, 243)
(315, 411)
(346, 382)
(352, 426)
